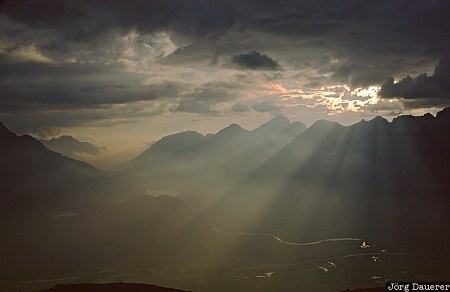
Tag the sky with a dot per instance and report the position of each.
(122, 74)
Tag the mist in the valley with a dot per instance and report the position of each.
(281, 207)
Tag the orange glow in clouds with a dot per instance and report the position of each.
(338, 98)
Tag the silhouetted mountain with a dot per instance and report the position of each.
(217, 160)
(69, 146)
(262, 205)
(283, 163)
(31, 173)
(444, 115)
(59, 215)
(369, 180)
(229, 141)
(113, 287)
(29, 154)
(4, 132)
(36, 183)
(230, 131)
(168, 145)
(276, 124)
(280, 126)
(294, 129)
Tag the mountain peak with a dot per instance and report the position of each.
(70, 146)
(179, 135)
(176, 141)
(378, 120)
(233, 128)
(279, 119)
(444, 113)
(4, 131)
(277, 123)
(295, 128)
(3, 127)
(170, 144)
(325, 124)
(322, 128)
(408, 119)
(66, 138)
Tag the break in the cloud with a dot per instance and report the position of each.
(96, 63)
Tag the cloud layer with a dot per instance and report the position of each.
(98, 63)
(254, 60)
(423, 86)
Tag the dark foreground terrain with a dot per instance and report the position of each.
(279, 208)
(113, 287)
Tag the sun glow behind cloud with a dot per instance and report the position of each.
(104, 66)
(336, 98)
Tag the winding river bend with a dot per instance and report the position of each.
(215, 228)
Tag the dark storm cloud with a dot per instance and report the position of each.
(354, 32)
(44, 14)
(209, 18)
(204, 98)
(351, 42)
(83, 19)
(357, 75)
(384, 37)
(434, 89)
(76, 86)
(52, 121)
(254, 60)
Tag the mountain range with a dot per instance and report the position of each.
(31, 174)
(194, 164)
(240, 200)
(374, 179)
(71, 147)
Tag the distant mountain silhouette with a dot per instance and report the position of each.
(71, 147)
(168, 145)
(113, 287)
(376, 173)
(277, 123)
(227, 142)
(195, 163)
(18, 150)
(31, 173)
(245, 202)
(280, 126)
(294, 129)
(36, 187)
